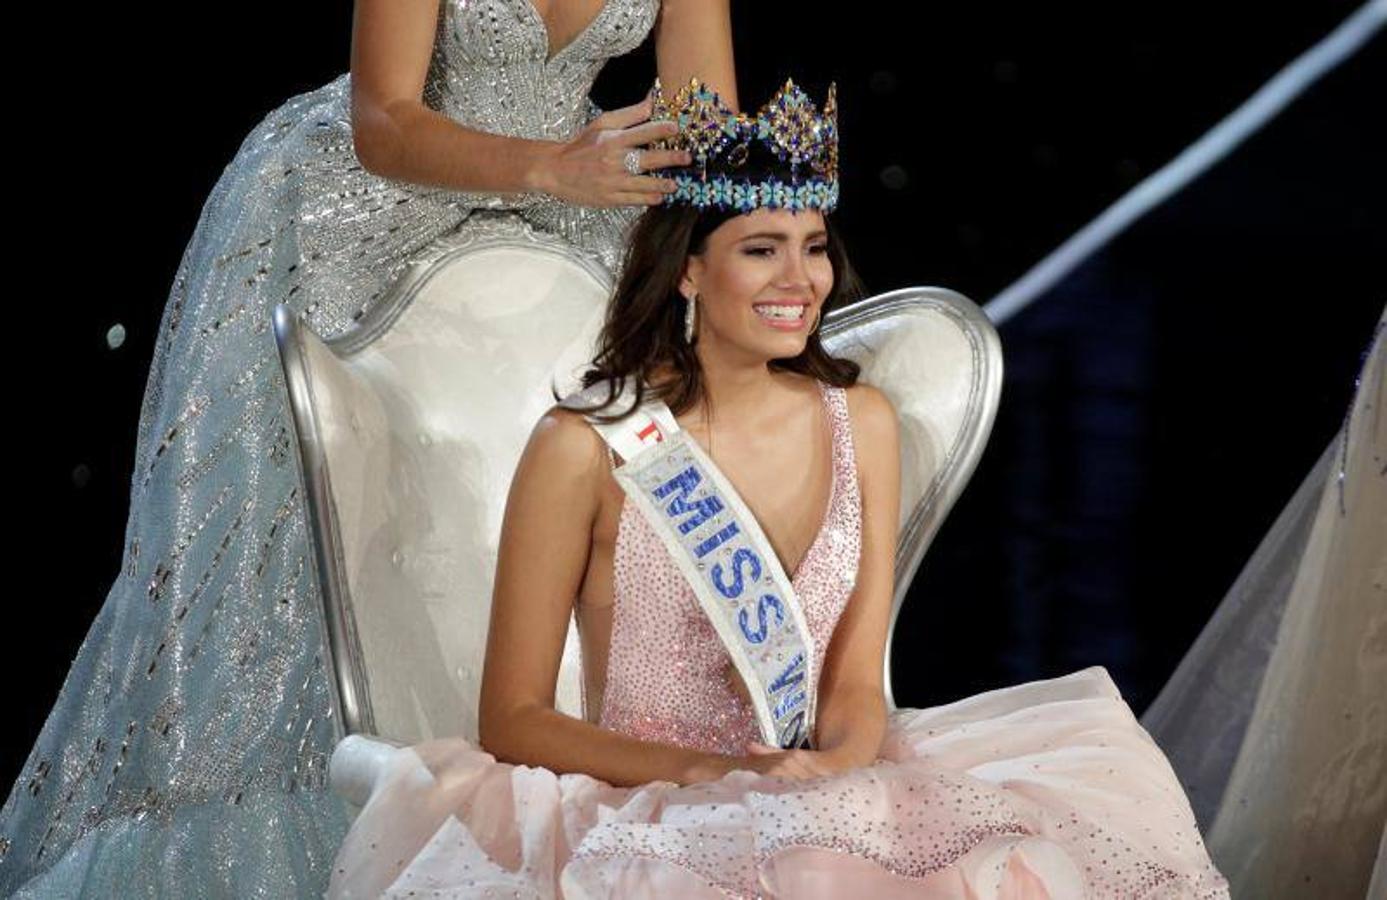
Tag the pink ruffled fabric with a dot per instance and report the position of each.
(1049, 789)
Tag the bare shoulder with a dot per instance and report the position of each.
(563, 447)
(873, 417)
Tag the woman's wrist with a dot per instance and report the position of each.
(851, 751)
(705, 767)
(845, 756)
(536, 165)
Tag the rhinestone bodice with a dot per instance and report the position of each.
(197, 719)
(669, 678)
(491, 68)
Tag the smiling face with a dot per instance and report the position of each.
(761, 282)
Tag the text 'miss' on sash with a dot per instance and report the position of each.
(723, 554)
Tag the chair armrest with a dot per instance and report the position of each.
(357, 763)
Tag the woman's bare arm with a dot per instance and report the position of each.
(545, 543)
(397, 136)
(693, 38)
(852, 700)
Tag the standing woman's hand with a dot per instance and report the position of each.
(590, 169)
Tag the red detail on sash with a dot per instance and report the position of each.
(652, 428)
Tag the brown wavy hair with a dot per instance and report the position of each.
(644, 328)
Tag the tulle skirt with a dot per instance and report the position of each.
(1049, 789)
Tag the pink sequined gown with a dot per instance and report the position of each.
(1049, 789)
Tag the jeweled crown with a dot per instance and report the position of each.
(783, 157)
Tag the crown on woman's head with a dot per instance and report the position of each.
(784, 157)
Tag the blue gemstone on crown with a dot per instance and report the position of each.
(744, 162)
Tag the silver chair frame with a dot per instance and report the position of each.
(961, 460)
(350, 684)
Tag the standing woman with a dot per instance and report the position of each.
(186, 753)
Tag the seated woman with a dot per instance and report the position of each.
(720, 507)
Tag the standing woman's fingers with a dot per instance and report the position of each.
(626, 116)
(646, 132)
(628, 198)
(659, 159)
(647, 184)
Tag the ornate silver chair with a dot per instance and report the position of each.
(409, 428)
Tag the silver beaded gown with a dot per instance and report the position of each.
(186, 754)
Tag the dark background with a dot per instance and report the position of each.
(1160, 405)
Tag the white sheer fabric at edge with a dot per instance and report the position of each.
(1292, 792)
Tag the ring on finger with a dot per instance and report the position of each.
(632, 161)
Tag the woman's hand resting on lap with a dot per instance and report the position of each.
(766, 760)
(590, 169)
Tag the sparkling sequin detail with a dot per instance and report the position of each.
(1048, 783)
(669, 678)
(198, 703)
(783, 157)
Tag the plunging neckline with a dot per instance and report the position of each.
(550, 53)
(838, 442)
(827, 420)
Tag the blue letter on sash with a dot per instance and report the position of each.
(702, 510)
(793, 674)
(728, 531)
(768, 601)
(734, 590)
(796, 729)
(787, 703)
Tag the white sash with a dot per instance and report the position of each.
(725, 557)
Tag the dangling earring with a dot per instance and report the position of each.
(690, 315)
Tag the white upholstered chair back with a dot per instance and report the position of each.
(409, 430)
(938, 359)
